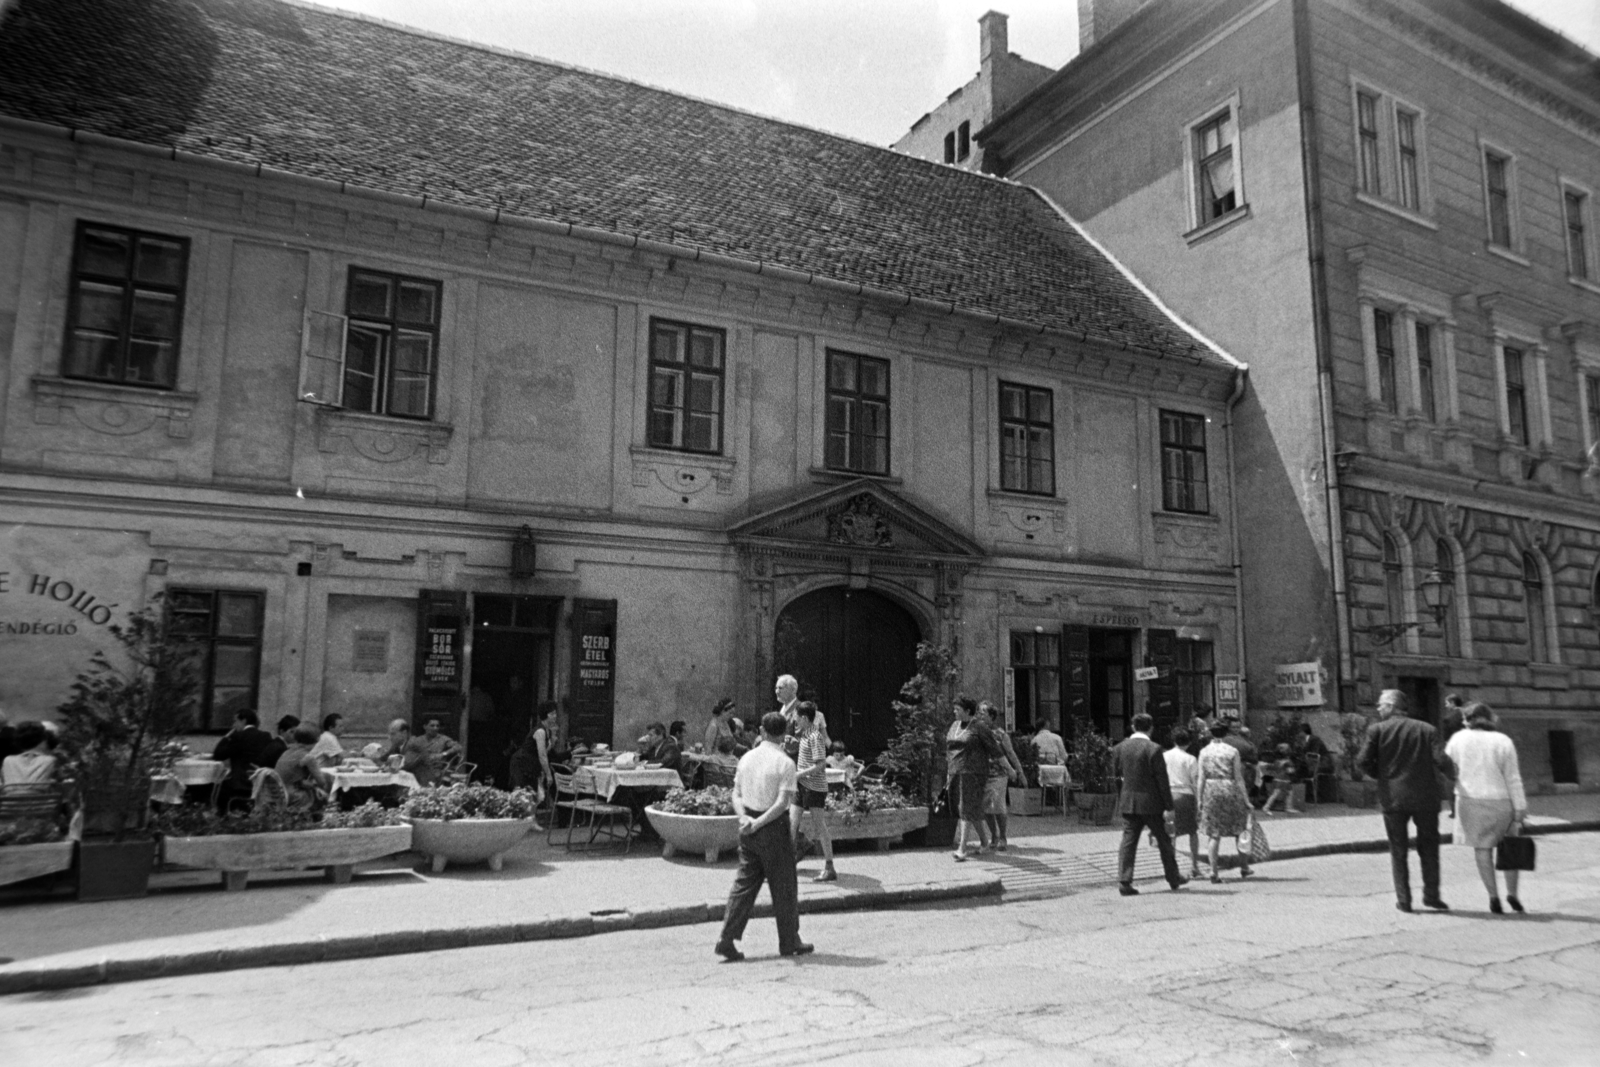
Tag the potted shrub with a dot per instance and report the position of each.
(34, 845)
(916, 753)
(468, 823)
(1027, 798)
(117, 730)
(880, 813)
(696, 820)
(280, 839)
(1091, 765)
(1354, 787)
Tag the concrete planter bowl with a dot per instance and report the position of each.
(18, 863)
(708, 835)
(883, 826)
(467, 840)
(236, 855)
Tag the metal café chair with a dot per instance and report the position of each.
(602, 816)
(563, 797)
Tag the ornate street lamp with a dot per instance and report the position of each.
(1436, 594)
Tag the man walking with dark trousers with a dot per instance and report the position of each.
(1401, 755)
(1146, 797)
(763, 790)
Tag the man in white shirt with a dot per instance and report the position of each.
(763, 790)
(1052, 750)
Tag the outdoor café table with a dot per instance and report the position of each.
(364, 779)
(608, 779)
(169, 788)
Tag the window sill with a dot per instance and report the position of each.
(111, 407)
(825, 474)
(53, 388)
(1017, 496)
(1506, 254)
(1583, 283)
(1188, 518)
(1217, 225)
(383, 438)
(1416, 218)
(652, 454)
(1551, 675)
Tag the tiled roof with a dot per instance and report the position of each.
(328, 95)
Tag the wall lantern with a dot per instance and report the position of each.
(524, 554)
(1436, 593)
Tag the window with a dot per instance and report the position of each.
(1445, 560)
(1425, 386)
(1196, 673)
(1214, 165)
(858, 414)
(1591, 393)
(1183, 463)
(1497, 178)
(1367, 126)
(1383, 332)
(964, 140)
(390, 344)
(1516, 397)
(1576, 205)
(687, 366)
(126, 307)
(223, 628)
(950, 147)
(1405, 125)
(1027, 440)
(1533, 608)
(1036, 670)
(1394, 599)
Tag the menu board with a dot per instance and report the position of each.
(592, 694)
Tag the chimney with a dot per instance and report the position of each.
(992, 38)
(1097, 18)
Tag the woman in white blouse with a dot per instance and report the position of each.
(1490, 802)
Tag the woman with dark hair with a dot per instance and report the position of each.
(1490, 802)
(329, 749)
(1223, 798)
(718, 729)
(1182, 770)
(33, 761)
(969, 744)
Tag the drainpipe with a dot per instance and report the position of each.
(1233, 529)
(1311, 174)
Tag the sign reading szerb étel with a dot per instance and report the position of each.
(1299, 684)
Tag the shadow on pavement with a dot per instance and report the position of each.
(834, 959)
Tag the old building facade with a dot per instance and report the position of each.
(1386, 207)
(402, 418)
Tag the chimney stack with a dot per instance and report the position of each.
(1097, 18)
(992, 44)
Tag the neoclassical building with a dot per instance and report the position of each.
(422, 377)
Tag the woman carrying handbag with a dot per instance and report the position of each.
(1490, 802)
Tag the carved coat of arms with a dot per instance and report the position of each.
(860, 524)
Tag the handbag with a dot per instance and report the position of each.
(1253, 842)
(1514, 854)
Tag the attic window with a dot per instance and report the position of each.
(964, 140)
(950, 147)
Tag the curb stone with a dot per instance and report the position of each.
(403, 942)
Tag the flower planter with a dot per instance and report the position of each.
(467, 840)
(1025, 801)
(1095, 807)
(883, 826)
(115, 870)
(709, 835)
(18, 863)
(236, 855)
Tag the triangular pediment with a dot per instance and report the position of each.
(861, 515)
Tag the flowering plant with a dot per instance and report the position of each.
(463, 800)
(31, 831)
(201, 821)
(712, 800)
(868, 798)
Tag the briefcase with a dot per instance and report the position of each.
(1514, 854)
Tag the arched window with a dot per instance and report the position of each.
(1445, 560)
(1394, 597)
(1533, 607)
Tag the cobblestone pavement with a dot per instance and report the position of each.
(1307, 964)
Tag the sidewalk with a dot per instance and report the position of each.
(188, 925)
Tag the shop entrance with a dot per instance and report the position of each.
(512, 672)
(1111, 681)
(1423, 693)
(851, 650)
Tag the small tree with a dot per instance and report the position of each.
(1353, 731)
(119, 725)
(1090, 762)
(922, 718)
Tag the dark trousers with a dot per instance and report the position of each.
(767, 855)
(1395, 826)
(1131, 827)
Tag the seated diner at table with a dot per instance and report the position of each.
(839, 759)
(328, 748)
(658, 746)
(431, 756)
(32, 761)
(244, 747)
(281, 740)
(304, 778)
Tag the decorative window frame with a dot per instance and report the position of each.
(902, 384)
(1505, 332)
(1199, 227)
(736, 354)
(1387, 199)
(1514, 250)
(1412, 639)
(1407, 310)
(1060, 396)
(1547, 605)
(1461, 600)
(1591, 245)
(1584, 338)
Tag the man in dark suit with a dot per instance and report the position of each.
(1401, 754)
(245, 747)
(1146, 796)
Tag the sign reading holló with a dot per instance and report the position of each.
(1299, 685)
(55, 591)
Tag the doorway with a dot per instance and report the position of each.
(1423, 693)
(512, 672)
(1111, 681)
(851, 650)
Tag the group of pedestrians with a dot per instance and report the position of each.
(981, 764)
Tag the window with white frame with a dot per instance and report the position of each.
(1406, 126)
(1427, 387)
(1591, 397)
(686, 386)
(1498, 175)
(1575, 216)
(391, 343)
(1383, 338)
(1214, 150)
(1027, 439)
(1389, 149)
(126, 308)
(1516, 395)
(1367, 142)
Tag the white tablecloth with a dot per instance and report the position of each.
(608, 779)
(199, 771)
(343, 780)
(1052, 776)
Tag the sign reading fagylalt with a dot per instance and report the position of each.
(54, 591)
(1299, 684)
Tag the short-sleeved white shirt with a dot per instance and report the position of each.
(764, 772)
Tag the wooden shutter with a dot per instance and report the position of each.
(591, 698)
(1161, 649)
(1074, 675)
(441, 626)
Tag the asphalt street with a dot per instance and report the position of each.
(1308, 964)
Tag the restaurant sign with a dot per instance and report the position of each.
(1299, 685)
(50, 593)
